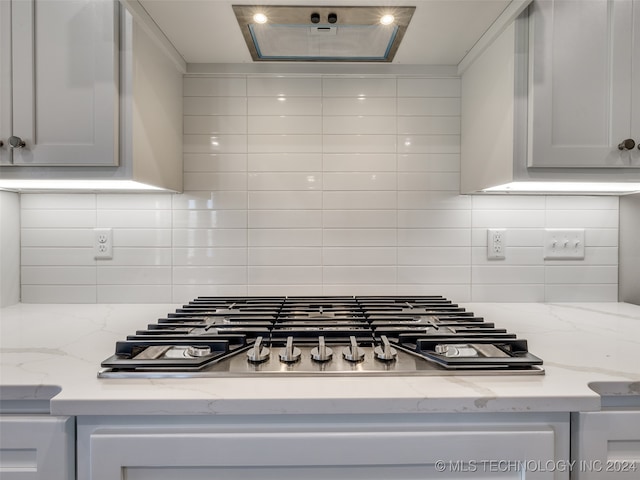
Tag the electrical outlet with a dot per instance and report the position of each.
(564, 244)
(496, 243)
(103, 243)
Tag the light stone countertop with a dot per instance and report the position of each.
(55, 351)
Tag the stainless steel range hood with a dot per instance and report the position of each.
(322, 34)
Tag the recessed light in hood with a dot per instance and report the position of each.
(323, 34)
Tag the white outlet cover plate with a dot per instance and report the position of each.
(564, 244)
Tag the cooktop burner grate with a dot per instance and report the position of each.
(362, 335)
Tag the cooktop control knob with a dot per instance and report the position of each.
(385, 352)
(353, 352)
(289, 353)
(198, 351)
(258, 353)
(321, 353)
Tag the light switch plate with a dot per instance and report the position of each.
(564, 244)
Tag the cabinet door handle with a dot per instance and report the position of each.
(16, 142)
(628, 144)
(1, 144)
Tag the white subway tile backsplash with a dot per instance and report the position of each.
(210, 237)
(216, 143)
(134, 219)
(285, 125)
(285, 275)
(359, 275)
(429, 162)
(360, 125)
(359, 106)
(43, 256)
(429, 87)
(57, 201)
(581, 293)
(134, 294)
(358, 87)
(434, 237)
(285, 237)
(514, 255)
(428, 143)
(215, 124)
(357, 162)
(133, 202)
(284, 143)
(140, 237)
(429, 181)
(215, 86)
(582, 203)
(52, 275)
(453, 274)
(361, 237)
(216, 256)
(50, 237)
(509, 275)
(359, 143)
(285, 162)
(138, 256)
(284, 106)
(508, 202)
(203, 275)
(61, 219)
(510, 293)
(360, 181)
(582, 219)
(359, 218)
(509, 218)
(432, 200)
(215, 181)
(285, 200)
(360, 200)
(434, 219)
(215, 106)
(285, 256)
(434, 256)
(209, 219)
(59, 294)
(429, 125)
(283, 87)
(428, 106)
(361, 256)
(285, 181)
(215, 163)
(133, 275)
(285, 219)
(211, 200)
(308, 185)
(581, 274)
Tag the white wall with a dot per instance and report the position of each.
(9, 248)
(629, 251)
(348, 185)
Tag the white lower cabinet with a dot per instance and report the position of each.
(37, 447)
(606, 445)
(324, 447)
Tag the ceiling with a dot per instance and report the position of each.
(441, 32)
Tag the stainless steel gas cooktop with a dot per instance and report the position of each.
(308, 336)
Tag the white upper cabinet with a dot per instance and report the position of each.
(60, 82)
(584, 92)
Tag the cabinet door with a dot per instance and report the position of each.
(65, 88)
(37, 447)
(200, 454)
(580, 83)
(606, 445)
